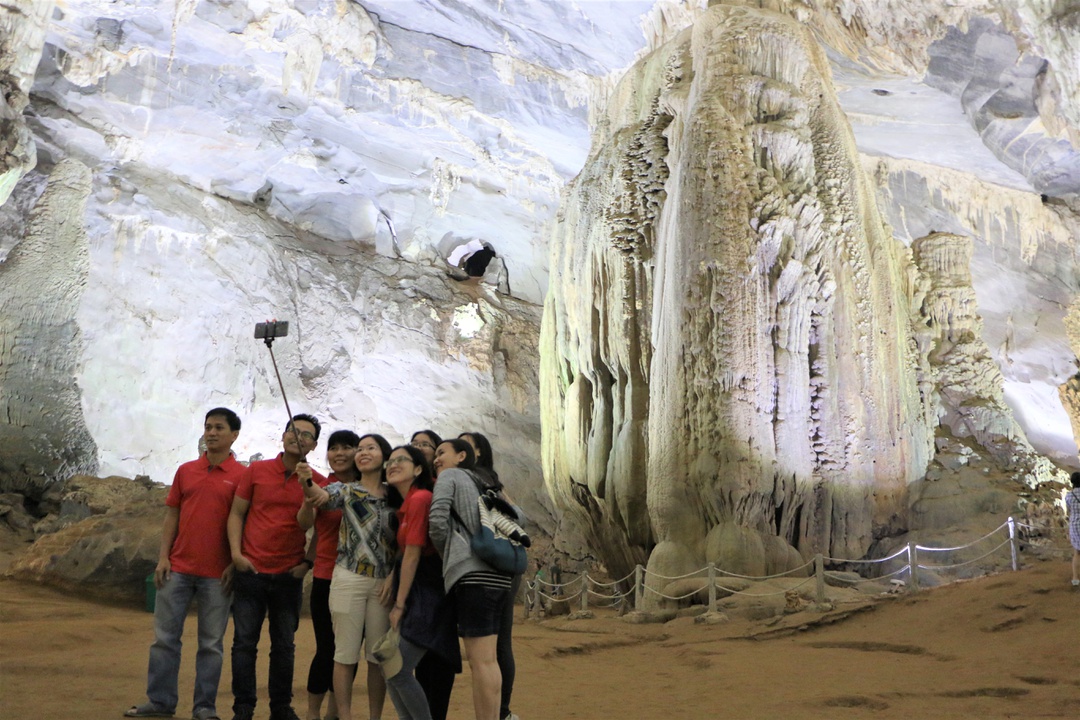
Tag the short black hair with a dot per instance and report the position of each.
(460, 445)
(308, 418)
(343, 437)
(1075, 479)
(230, 417)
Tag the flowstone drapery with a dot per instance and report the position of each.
(728, 370)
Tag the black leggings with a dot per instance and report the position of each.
(320, 676)
(436, 676)
(504, 650)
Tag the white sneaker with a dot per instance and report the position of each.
(511, 716)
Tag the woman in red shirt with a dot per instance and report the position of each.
(419, 600)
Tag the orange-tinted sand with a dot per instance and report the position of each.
(999, 647)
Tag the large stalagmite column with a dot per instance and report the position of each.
(728, 373)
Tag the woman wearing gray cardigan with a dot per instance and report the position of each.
(480, 592)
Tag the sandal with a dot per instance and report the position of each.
(147, 710)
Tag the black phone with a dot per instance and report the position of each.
(271, 329)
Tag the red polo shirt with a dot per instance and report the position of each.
(272, 539)
(327, 527)
(203, 493)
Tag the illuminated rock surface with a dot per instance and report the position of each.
(317, 161)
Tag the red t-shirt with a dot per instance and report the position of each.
(413, 521)
(327, 527)
(203, 493)
(273, 540)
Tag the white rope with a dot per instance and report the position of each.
(899, 552)
(966, 562)
(764, 577)
(961, 547)
(610, 584)
(649, 573)
(781, 592)
(669, 597)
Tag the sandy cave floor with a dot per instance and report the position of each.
(1003, 646)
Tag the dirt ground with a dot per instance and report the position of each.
(998, 647)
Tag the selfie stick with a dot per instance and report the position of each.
(268, 338)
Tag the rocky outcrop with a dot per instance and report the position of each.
(725, 357)
(43, 436)
(102, 538)
(22, 37)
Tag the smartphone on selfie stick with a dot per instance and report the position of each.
(267, 331)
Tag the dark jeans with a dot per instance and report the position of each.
(320, 675)
(504, 650)
(257, 596)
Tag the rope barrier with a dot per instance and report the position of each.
(966, 562)
(675, 577)
(962, 547)
(899, 552)
(764, 577)
(588, 585)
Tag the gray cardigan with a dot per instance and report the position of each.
(455, 488)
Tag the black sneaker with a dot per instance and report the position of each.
(243, 713)
(286, 713)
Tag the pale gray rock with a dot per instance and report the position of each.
(22, 37)
(44, 438)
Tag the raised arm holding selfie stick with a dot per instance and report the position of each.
(269, 549)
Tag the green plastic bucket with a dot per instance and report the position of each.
(151, 593)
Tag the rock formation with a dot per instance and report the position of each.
(741, 364)
(777, 411)
(22, 37)
(43, 437)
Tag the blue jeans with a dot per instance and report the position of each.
(170, 610)
(257, 596)
(405, 691)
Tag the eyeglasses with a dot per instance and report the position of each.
(304, 434)
(396, 461)
(422, 444)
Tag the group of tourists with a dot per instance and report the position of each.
(394, 577)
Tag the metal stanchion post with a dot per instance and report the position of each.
(819, 573)
(712, 588)
(1012, 544)
(913, 565)
(638, 587)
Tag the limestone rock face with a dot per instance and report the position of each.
(726, 344)
(44, 437)
(22, 37)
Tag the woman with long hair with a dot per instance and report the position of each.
(504, 648)
(365, 550)
(418, 592)
(340, 452)
(426, 441)
(480, 592)
(435, 674)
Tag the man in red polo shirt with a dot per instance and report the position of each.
(268, 551)
(194, 554)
